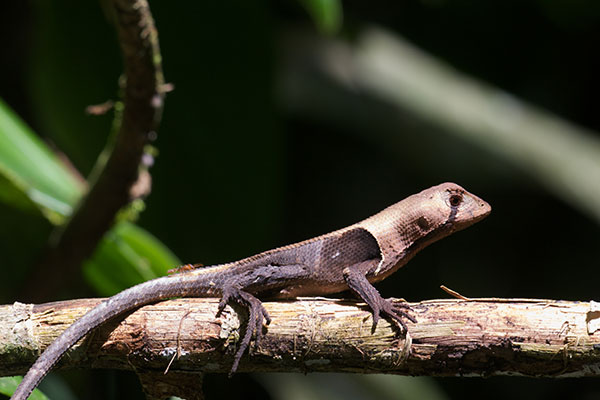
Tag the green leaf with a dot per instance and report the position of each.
(9, 384)
(12, 195)
(327, 14)
(27, 166)
(127, 256)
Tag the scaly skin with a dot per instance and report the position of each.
(350, 258)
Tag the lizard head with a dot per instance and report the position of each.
(408, 226)
(459, 208)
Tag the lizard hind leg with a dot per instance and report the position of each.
(254, 326)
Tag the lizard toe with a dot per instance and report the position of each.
(400, 304)
(397, 314)
(401, 309)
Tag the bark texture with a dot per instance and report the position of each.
(452, 338)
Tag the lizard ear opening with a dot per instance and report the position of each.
(423, 223)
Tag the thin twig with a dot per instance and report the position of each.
(453, 293)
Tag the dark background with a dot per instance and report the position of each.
(239, 171)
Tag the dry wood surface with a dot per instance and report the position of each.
(455, 337)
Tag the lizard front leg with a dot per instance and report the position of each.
(355, 277)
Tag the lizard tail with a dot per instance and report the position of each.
(136, 296)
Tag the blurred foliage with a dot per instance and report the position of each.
(327, 14)
(29, 168)
(127, 255)
(321, 386)
(37, 182)
(241, 170)
(9, 384)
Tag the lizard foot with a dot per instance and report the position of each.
(359, 284)
(393, 310)
(254, 326)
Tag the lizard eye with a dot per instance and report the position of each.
(455, 200)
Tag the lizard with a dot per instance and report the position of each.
(351, 258)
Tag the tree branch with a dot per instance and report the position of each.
(143, 102)
(452, 338)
